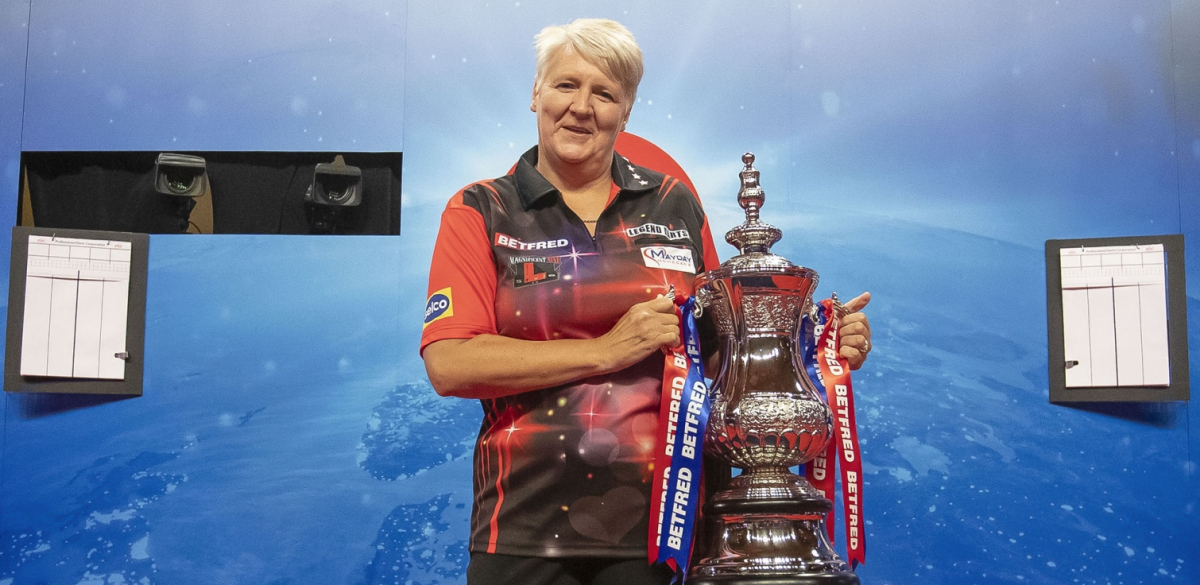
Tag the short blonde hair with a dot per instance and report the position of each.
(605, 43)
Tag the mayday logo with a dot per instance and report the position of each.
(654, 229)
(529, 270)
(439, 306)
(510, 242)
(668, 258)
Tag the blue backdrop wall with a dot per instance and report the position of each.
(922, 151)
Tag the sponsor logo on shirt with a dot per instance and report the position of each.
(654, 229)
(527, 271)
(669, 258)
(510, 242)
(439, 306)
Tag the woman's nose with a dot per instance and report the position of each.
(579, 104)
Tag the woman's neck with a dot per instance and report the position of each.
(576, 177)
(584, 187)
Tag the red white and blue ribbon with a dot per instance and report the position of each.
(683, 420)
(824, 364)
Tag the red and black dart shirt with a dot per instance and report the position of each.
(564, 471)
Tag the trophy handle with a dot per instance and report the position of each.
(703, 298)
(813, 311)
(839, 310)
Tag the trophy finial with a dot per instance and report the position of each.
(750, 196)
(752, 236)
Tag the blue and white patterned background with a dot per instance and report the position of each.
(923, 151)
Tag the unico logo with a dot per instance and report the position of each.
(439, 306)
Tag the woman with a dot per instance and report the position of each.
(547, 303)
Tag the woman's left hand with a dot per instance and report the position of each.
(856, 332)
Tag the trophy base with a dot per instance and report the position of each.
(817, 579)
(769, 542)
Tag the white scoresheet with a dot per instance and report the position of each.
(76, 300)
(1115, 316)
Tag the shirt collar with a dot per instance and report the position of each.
(532, 186)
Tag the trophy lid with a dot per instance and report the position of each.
(754, 238)
(753, 235)
(781, 290)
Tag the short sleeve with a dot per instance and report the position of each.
(709, 343)
(462, 277)
(711, 262)
(708, 249)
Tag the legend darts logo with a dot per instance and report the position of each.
(654, 229)
(439, 306)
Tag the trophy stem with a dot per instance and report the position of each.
(767, 483)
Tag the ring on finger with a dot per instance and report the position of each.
(866, 346)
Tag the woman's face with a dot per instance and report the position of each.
(579, 111)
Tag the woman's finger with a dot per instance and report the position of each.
(859, 302)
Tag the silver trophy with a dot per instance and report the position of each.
(767, 526)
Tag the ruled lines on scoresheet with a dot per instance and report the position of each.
(1115, 316)
(76, 304)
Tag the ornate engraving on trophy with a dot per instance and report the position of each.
(722, 317)
(771, 313)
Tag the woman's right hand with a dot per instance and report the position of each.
(642, 330)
